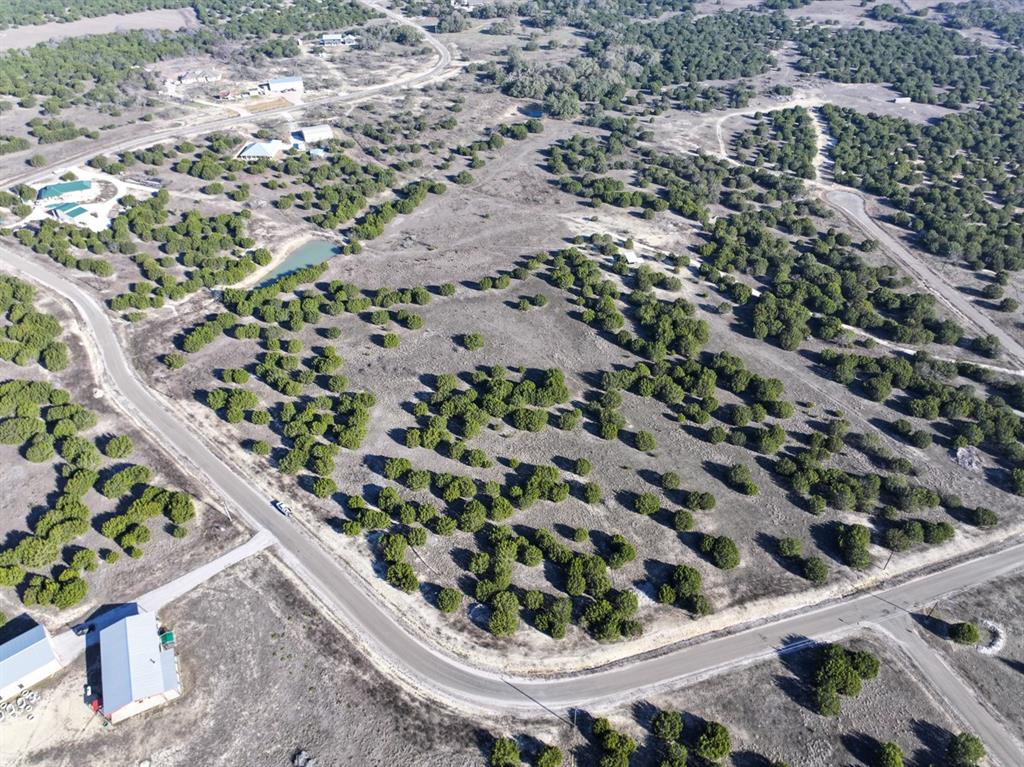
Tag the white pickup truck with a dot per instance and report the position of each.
(282, 507)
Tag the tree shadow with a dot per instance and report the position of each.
(750, 759)
(644, 712)
(824, 536)
(770, 545)
(862, 746)
(936, 626)
(798, 658)
(934, 740)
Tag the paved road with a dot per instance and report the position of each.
(1003, 749)
(427, 667)
(852, 205)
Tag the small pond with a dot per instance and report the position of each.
(312, 252)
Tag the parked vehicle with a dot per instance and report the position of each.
(282, 507)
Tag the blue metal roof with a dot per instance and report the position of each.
(24, 654)
(132, 665)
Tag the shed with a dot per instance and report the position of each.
(25, 660)
(315, 133)
(63, 189)
(137, 671)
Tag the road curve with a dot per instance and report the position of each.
(439, 675)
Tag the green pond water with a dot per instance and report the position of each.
(312, 252)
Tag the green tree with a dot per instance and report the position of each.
(964, 633)
(472, 341)
(667, 725)
(402, 577)
(449, 600)
(324, 487)
(118, 447)
(646, 504)
(815, 570)
(644, 441)
(505, 753)
(550, 756)
(714, 743)
(965, 750)
(790, 548)
(889, 755)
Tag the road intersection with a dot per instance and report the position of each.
(450, 679)
(408, 655)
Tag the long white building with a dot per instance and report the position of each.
(26, 660)
(285, 84)
(314, 133)
(137, 672)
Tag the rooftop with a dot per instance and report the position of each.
(132, 663)
(64, 187)
(69, 209)
(24, 654)
(258, 149)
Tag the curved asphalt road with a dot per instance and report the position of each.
(371, 622)
(443, 676)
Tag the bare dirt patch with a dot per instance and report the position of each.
(998, 679)
(264, 675)
(767, 708)
(163, 18)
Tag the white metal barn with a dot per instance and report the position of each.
(137, 672)
(315, 133)
(25, 660)
(285, 84)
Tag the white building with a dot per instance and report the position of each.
(334, 40)
(260, 150)
(285, 85)
(315, 133)
(25, 660)
(137, 671)
(198, 76)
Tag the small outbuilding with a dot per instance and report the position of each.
(25, 660)
(138, 669)
(67, 212)
(315, 133)
(65, 190)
